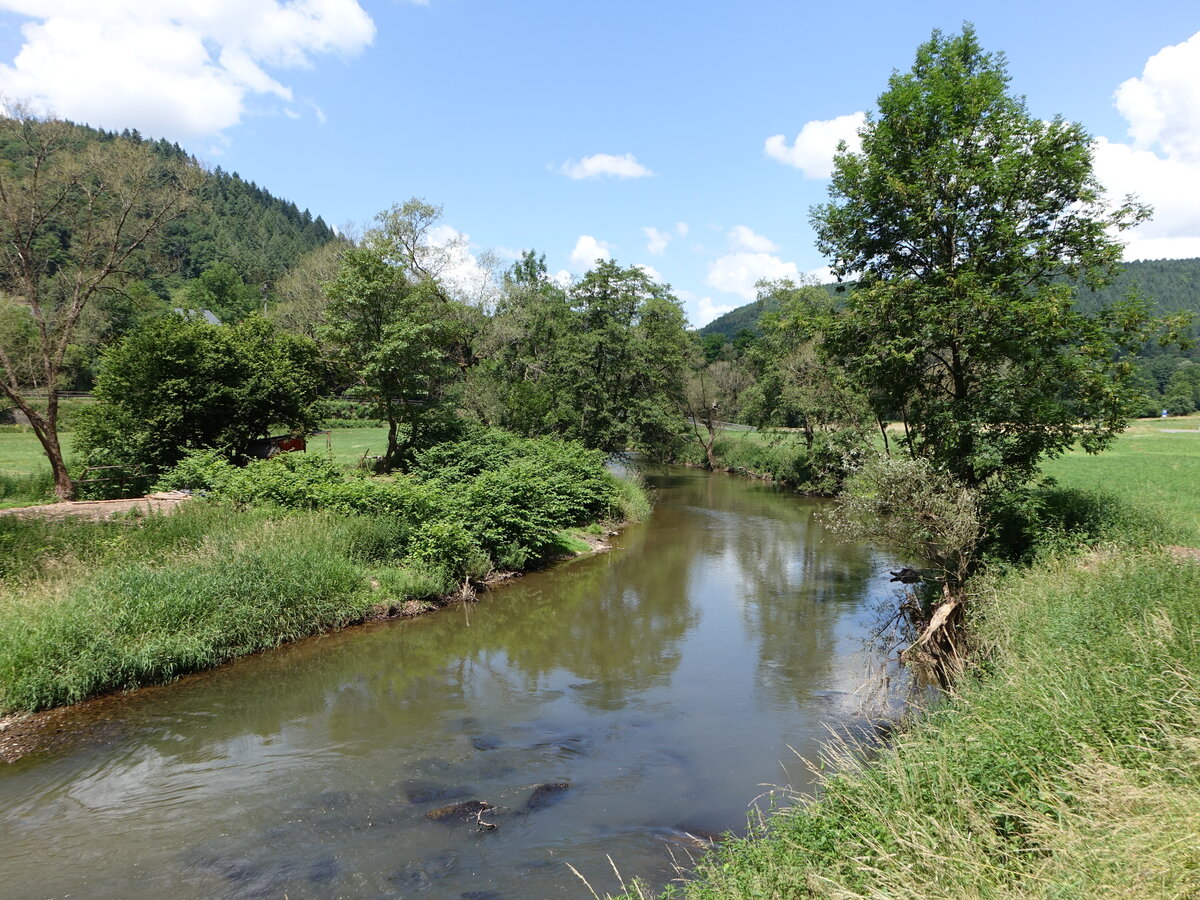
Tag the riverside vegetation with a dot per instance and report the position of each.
(279, 550)
(1064, 762)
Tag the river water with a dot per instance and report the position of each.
(666, 684)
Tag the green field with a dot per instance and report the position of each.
(1149, 468)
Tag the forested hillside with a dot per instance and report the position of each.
(220, 247)
(234, 221)
(1171, 285)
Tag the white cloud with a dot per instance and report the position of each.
(706, 311)
(471, 277)
(750, 259)
(650, 270)
(656, 241)
(701, 310)
(1162, 164)
(588, 251)
(682, 229)
(601, 164)
(737, 273)
(813, 149)
(562, 278)
(174, 68)
(745, 239)
(1163, 105)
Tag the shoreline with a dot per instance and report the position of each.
(25, 733)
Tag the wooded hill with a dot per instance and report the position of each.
(1171, 285)
(235, 221)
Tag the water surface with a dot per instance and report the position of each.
(667, 684)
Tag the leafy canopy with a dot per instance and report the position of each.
(174, 385)
(959, 216)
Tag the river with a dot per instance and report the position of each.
(666, 684)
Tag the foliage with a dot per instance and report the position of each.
(220, 289)
(798, 386)
(624, 361)
(389, 329)
(249, 588)
(1168, 286)
(282, 548)
(959, 213)
(77, 220)
(173, 385)
(300, 298)
(240, 224)
(601, 362)
(922, 512)
(490, 499)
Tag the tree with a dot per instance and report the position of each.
(389, 329)
(220, 289)
(75, 222)
(514, 386)
(798, 386)
(300, 298)
(620, 365)
(959, 216)
(711, 397)
(173, 385)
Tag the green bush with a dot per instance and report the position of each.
(508, 497)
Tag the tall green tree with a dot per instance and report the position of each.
(76, 221)
(958, 216)
(621, 364)
(515, 384)
(390, 330)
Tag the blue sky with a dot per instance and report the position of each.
(664, 111)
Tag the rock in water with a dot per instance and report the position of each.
(466, 811)
(545, 795)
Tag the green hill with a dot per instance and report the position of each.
(234, 221)
(1171, 285)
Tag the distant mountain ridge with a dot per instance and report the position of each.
(1170, 285)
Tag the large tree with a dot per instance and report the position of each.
(390, 329)
(959, 216)
(620, 366)
(76, 221)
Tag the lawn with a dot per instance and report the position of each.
(1149, 467)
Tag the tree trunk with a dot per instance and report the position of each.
(45, 428)
(393, 447)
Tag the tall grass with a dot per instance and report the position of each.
(249, 585)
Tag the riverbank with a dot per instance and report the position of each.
(286, 549)
(1065, 764)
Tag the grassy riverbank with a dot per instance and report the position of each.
(287, 548)
(1066, 764)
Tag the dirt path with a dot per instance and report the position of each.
(95, 510)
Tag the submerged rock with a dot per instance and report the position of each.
(467, 811)
(546, 795)
(422, 875)
(323, 869)
(486, 742)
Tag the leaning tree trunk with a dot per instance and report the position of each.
(46, 430)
